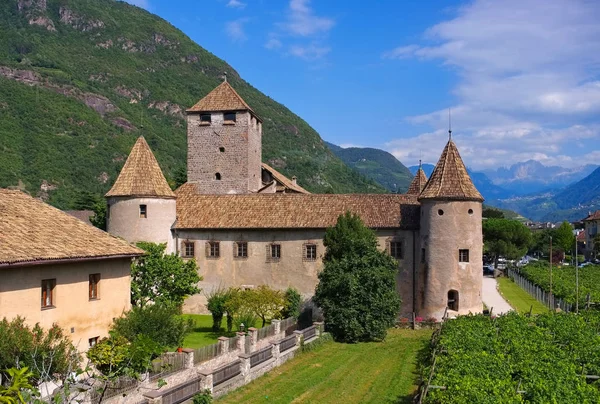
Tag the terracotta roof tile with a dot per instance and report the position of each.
(418, 183)
(141, 175)
(593, 216)
(284, 180)
(285, 211)
(32, 231)
(222, 98)
(450, 179)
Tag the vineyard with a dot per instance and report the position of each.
(549, 358)
(563, 281)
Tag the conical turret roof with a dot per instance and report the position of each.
(450, 180)
(222, 98)
(141, 175)
(418, 183)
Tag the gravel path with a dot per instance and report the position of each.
(492, 298)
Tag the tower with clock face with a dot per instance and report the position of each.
(224, 144)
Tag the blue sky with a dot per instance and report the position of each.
(520, 76)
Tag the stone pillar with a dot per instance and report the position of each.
(245, 367)
(223, 345)
(277, 324)
(241, 341)
(153, 397)
(319, 326)
(299, 336)
(189, 358)
(253, 334)
(275, 352)
(206, 382)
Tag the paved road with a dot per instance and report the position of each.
(492, 298)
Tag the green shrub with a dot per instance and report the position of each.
(293, 303)
(216, 305)
(247, 318)
(203, 397)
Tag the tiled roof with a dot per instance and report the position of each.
(83, 215)
(141, 175)
(32, 232)
(286, 211)
(593, 216)
(222, 98)
(285, 181)
(418, 183)
(581, 236)
(450, 180)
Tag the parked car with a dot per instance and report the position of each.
(488, 270)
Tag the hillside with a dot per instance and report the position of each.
(378, 165)
(80, 80)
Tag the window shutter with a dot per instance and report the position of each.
(235, 249)
(388, 245)
(207, 248)
(268, 252)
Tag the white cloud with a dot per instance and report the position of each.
(527, 80)
(310, 52)
(236, 4)
(235, 30)
(140, 3)
(273, 43)
(302, 20)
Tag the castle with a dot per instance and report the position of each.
(247, 224)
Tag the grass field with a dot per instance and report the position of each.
(374, 372)
(519, 299)
(203, 334)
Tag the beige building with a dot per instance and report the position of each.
(54, 268)
(592, 229)
(247, 224)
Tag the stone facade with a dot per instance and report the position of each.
(72, 309)
(592, 229)
(224, 157)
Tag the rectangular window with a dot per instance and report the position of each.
(212, 249)
(143, 211)
(48, 292)
(240, 249)
(274, 252)
(463, 255)
(396, 249)
(93, 341)
(310, 252)
(93, 286)
(229, 117)
(188, 249)
(205, 119)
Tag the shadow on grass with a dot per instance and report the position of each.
(422, 360)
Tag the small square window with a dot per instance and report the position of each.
(396, 249)
(463, 255)
(188, 249)
(93, 341)
(212, 249)
(93, 286)
(240, 249)
(310, 252)
(229, 116)
(273, 252)
(48, 286)
(205, 119)
(143, 212)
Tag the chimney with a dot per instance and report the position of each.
(294, 180)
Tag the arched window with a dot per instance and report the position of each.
(218, 176)
(453, 300)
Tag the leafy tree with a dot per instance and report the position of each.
(44, 352)
(216, 305)
(162, 278)
(540, 243)
(264, 301)
(233, 304)
(357, 287)
(293, 303)
(563, 237)
(18, 385)
(159, 322)
(492, 213)
(98, 219)
(506, 238)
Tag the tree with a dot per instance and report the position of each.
(159, 322)
(506, 238)
(563, 238)
(264, 302)
(162, 278)
(216, 305)
(357, 287)
(98, 219)
(293, 303)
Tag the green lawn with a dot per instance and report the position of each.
(519, 299)
(374, 372)
(203, 334)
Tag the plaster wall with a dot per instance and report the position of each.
(21, 288)
(442, 235)
(124, 220)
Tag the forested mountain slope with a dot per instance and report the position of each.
(80, 80)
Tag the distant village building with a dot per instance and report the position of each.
(57, 269)
(247, 224)
(592, 227)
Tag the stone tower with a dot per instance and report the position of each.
(141, 205)
(451, 268)
(224, 144)
(418, 183)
